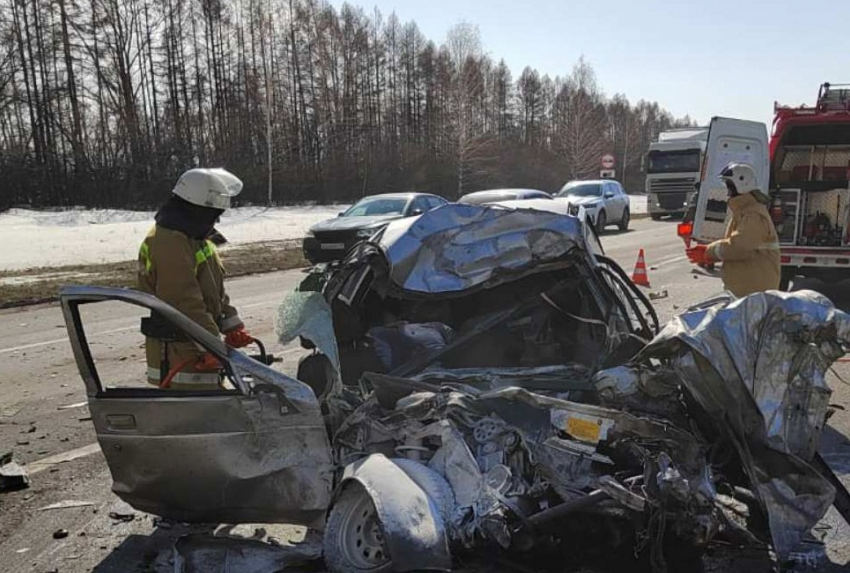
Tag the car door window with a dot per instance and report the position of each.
(434, 202)
(419, 205)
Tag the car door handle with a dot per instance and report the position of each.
(120, 422)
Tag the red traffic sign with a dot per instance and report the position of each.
(608, 161)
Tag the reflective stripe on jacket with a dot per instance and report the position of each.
(750, 249)
(187, 274)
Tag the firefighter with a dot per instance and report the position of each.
(179, 264)
(750, 250)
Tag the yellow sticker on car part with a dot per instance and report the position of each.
(581, 429)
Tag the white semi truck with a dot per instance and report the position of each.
(672, 169)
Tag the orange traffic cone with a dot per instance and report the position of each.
(639, 277)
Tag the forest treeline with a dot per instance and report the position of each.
(103, 103)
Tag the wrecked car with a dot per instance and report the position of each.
(463, 280)
(484, 378)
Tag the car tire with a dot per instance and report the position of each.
(655, 217)
(624, 221)
(354, 537)
(601, 222)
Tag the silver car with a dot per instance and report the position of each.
(603, 199)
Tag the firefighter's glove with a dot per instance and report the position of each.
(238, 338)
(207, 363)
(698, 255)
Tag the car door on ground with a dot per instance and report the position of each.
(256, 450)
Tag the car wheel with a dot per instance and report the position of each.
(354, 538)
(655, 217)
(601, 222)
(624, 222)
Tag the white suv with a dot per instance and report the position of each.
(603, 199)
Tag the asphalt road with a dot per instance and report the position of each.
(43, 416)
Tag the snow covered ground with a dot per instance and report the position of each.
(77, 236)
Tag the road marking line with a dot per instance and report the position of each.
(113, 331)
(669, 260)
(58, 340)
(45, 463)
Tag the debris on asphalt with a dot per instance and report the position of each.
(72, 406)
(13, 476)
(121, 511)
(9, 412)
(60, 534)
(23, 442)
(658, 294)
(68, 504)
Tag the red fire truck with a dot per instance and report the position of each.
(806, 165)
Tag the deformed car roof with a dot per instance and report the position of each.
(457, 247)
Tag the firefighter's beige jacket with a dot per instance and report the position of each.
(187, 274)
(750, 250)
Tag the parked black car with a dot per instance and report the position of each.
(497, 195)
(329, 240)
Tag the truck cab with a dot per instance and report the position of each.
(672, 168)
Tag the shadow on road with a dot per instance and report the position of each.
(207, 548)
(610, 232)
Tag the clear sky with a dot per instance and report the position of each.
(704, 58)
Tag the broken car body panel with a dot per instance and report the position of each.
(756, 366)
(258, 453)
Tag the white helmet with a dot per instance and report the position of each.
(208, 187)
(740, 178)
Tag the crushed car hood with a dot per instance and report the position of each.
(457, 247)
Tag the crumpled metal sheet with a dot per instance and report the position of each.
(778, 346)
(757, 367)
(458, 247)
(308, 314)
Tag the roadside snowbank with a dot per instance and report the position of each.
(84, 236)
(56, 238)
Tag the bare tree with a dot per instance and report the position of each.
(105, 102)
